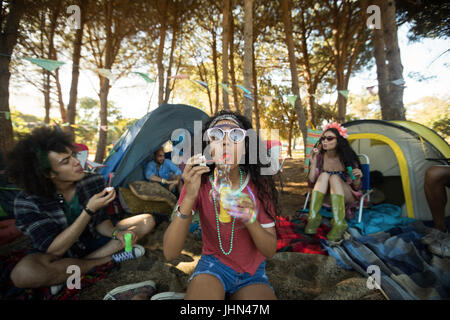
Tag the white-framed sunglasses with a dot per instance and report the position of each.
(235, 135)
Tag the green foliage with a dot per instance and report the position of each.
(363, 106)
(24, 123)
(429, 18)
(433, 112)
(442, 126)
(87, 122)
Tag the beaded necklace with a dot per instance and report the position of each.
(217, 218)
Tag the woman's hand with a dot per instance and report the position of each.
(313, 156)
(192, 175)
(241, 207)
(357, 173)
(101, 200)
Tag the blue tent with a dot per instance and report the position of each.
(136, 146)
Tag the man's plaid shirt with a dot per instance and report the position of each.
(43, 219)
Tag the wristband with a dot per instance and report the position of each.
(114, 234)
(179, 214)
(163, 181)
(89, 211)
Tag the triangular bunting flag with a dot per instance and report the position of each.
(105, 73)
(203, 84)
(179, 76)
(243, 89)
(292, 99)
(370, 89)
(7, 114)
(248, 96)
(47, 64)
(145, 77)
(398, 82)
(104, 128)
(344, 93)
(225, 87)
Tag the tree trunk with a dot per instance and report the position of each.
(382, 73)
(54, 56)
(8, 40)
(341, 100)
(306, 68)
(285, 5)
(169, 69)
(248, 55)
(104, 87)
(46, 92)
(396, 110)
(291, 129)
(232, 69)
(216, 71)
(225, 43)
(160, 56)
(255, 90)
(204, 77)
(62, 108)
(76, 57)
(102, 137)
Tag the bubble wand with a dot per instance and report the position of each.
(128, 246)
(109, 188)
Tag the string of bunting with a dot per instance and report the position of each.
(52, 65)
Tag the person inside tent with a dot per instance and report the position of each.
(63, 211)
(237, 208)
(437, 179)
(329, 165)
(164, 171)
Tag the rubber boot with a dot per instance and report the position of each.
(314, 218)
(338, 222)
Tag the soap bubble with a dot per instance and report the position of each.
(232, 203)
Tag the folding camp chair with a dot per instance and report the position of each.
(365, 186)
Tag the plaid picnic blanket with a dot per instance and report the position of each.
(291, 236)
(408, 270)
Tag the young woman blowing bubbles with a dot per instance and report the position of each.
(237, 236)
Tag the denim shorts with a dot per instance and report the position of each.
(231, 280)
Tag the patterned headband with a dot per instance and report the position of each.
(226, 117)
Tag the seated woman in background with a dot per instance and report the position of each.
(328, 168)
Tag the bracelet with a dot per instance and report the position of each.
(179, 214)
(163, 181)
(89, 211)
(114, 234)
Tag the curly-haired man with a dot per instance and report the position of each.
(63, 211)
